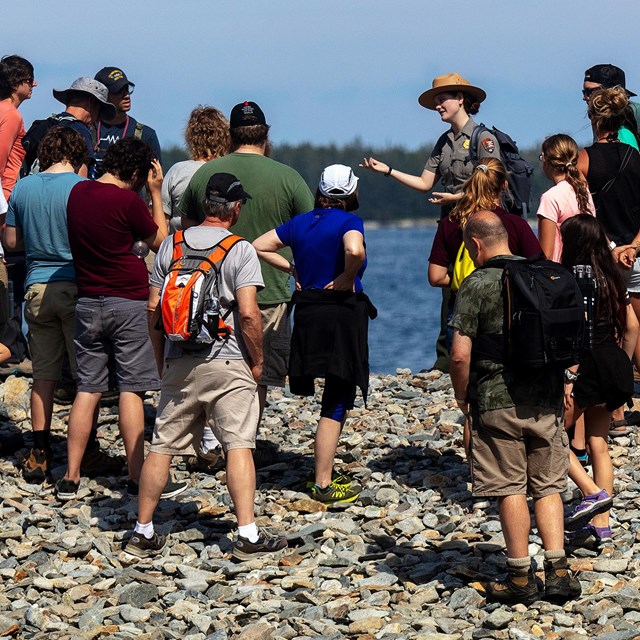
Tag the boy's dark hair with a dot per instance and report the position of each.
(127, 159)
(13, 71)
(254, 135)
(62, 143)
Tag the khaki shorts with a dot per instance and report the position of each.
(521, 450)
(276, 343)
(50, 312)
(219, 393)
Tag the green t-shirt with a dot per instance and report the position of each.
(479, 309)
(625, 135)
(277, 192)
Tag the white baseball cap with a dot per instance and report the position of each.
(338, 181)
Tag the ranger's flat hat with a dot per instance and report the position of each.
(449, 83)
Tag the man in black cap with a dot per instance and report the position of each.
(214, 382)
(279, 193)
(606, 76)
(121, 125)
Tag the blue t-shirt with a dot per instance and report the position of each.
(38, 207)
(316, 241)
(108, 134)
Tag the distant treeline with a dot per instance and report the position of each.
(382, 199)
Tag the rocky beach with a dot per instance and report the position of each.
(406, 561)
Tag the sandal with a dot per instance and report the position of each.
(620, 427)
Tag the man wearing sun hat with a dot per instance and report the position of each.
(121, 125)
(85, 101)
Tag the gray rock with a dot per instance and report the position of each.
(138, 595)
(260, 631)
(133, 614)
(466, 597)
(611, 565)
(628, 597)
(498, 619)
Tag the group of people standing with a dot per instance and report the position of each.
(85, 228)
(517, 440)
(89, 298)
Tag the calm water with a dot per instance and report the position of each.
(405, 331)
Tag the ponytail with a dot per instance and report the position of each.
(481, 191)
(561, 156)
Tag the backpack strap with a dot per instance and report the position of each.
(137, 133)
(473, 141)
(621, 168)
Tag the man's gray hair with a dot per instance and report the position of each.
(486, 226)
(222, 211)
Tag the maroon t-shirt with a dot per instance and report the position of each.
(448, 238)
(104, 221)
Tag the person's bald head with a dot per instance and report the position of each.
(485, 237)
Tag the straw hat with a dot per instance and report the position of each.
(451, 82)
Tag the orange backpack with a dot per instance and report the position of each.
(191, 311)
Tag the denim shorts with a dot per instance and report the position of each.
(114, 326)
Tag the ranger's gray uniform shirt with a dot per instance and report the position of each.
(450, 161)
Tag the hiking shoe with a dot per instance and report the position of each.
(520, 585)
(171, 489)
(35, 467)
(210, 462)
(590, 506)
(336, 493)
(589, 537)
(96, 462)
(337, 477)
(66, 489)
(243, 549)
(143, 547)
(559, 584)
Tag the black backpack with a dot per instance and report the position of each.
(544, 316)
(519, 171)
(32, 138)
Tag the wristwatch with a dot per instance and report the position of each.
(569, 376)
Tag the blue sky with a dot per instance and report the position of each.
(331, 71)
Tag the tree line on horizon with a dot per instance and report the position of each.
(381, 199)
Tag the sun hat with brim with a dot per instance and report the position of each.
(338, 181)
(92, 87)
(449, 83)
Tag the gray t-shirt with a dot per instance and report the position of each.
(173, 186)
(241, 268)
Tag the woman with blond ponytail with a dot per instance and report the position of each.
(482, 192)
(568, 197)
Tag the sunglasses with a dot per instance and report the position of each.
(29, 81)
(128, 90)
(587, 92)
